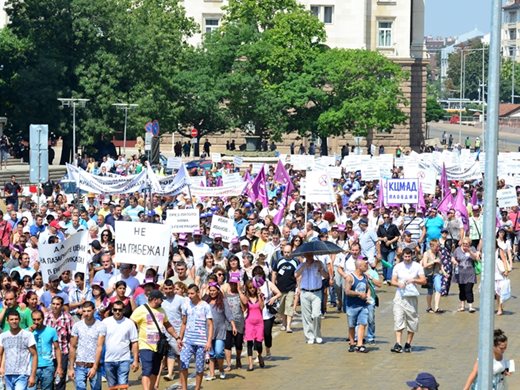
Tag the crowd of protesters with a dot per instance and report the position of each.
(216, 298)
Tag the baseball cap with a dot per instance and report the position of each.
(54, 277)
(156, 294)
(424, 380)
(197, 232)
(106, 201)
(125, 266)
(67, 214)
(444, 231)
(341, 227)
(55, 224)
(234, 277)
(244, 243)
(476, 207)
(235, 240)
(149, 281)
(407, 233)
(97, 284)
(363, 221)
(96, 245)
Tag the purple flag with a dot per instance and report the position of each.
(460, 208)
(247, 176)
(474, 200)
(421, 204)
(259, 188)
(445, 185)
(446, 203)
(219, 181)
(380, 195)
(282, 176)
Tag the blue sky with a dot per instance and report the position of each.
(454, 17)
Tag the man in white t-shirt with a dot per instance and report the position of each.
(121, 351)
(19, 346)
(198, 248)
(405, 276)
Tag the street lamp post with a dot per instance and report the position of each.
(125, 107)
(73, 102)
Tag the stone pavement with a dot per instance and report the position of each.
(446, 346)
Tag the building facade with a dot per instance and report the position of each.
(3, 14)
(394, 28)
(511, 29)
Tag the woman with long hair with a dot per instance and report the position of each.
(233, 339)
(501, 277)
(504, 243)
(100, 300)
(31, 301)
(253, 301)
(202, 273)
(222, 315)
(38, 286)
(106, 238)
(296, 242)
(120, 295)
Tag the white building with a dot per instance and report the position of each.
(395, 28)
(3, 14)
(510, 29)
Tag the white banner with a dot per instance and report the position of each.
(69, 255)
(427, 178)
(507, 197)
(319, 188)
(334, 172)
(237, 161)
(370, 171)
(142, 243)
(302, 162)
(232, 179)
(174, 162)
(401, 191)
(223, 226)
(109, 185)
(226, 190)
(216, 157)
(169, 185)
(183, 220)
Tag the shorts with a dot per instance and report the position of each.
(405, 313)
(436, 286)
(234, 341)
(150, 362)
(286, 304)
(357, 316)
(187, 351)
(173, 351)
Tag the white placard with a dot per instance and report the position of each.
(427, 177)
(237, 161)
(174, 162)
(183, 220)
(232, 179)
(216, 157)
(334, 172)
(370, 170)
(69, 255)
(386, 165)
(321, 189)
(302, 162)
(401, 191)
(223, 226)
(303, 186)
(198, 180)
(142, 243)
(507, 197)
(255, 168)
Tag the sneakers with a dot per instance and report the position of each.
(283, 328)
(397, 348)
(268, 356)
(407, 348)
(209, 378)
(222, 375)
(310, 341)
(319, 340)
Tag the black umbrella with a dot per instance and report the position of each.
(317, 247)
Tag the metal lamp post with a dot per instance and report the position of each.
(73, 102)
(125, 107)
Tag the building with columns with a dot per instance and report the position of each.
(395, 28)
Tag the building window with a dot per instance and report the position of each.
(512, 17)
(512, 51)
(211, 24)
(325, 13)
(384, 34)
(512, 33)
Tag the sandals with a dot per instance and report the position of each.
(362, 349)
(352, 348)
(461, 309)
(429, 310)
(439, 311)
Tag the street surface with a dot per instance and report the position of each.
(445, 346)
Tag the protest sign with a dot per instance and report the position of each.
(237, 161)
(401, 191)
(232, 179)
(109, 185)
(319, 188)
(174, 162)
(183, 220)
(507, 197)
(69, 255)
(225, 190)
(370, 170)
(334, 172)
(302, 162)
(142, 243)
(216, 157)
(427, 178)
(223, 226)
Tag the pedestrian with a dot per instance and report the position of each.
(147, 317)
(18, 355)
(234, 339)
(501, 368)
(423, 381)
(86, 345)
(406, 275)
(121, 352)
(357, 296)
(62, 322)
(253, 301)
(207, 146)
(463, 260)
(434, 271)
(502, 283)
(285, 279)
(387, 234)
(196, 335)
(47, 346)
(12, 190)
(311, 273)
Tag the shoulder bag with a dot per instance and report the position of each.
(162, 344)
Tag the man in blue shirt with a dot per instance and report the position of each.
(46, 339)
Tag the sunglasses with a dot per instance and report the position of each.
(220, 274)
(117, 310)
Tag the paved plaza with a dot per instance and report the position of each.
(446, 346)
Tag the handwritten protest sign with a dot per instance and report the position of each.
(223, 226)
(183, 220)
(507, 197)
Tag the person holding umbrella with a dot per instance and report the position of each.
(311, 273)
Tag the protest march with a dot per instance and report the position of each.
(172, 277)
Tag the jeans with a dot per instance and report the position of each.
(82, 377)
(44, 378)
(117, 372)
(16, 382)
(436, 287)
(390, 258)
(371, 327)
(217, 349)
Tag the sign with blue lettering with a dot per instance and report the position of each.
(401, 191)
